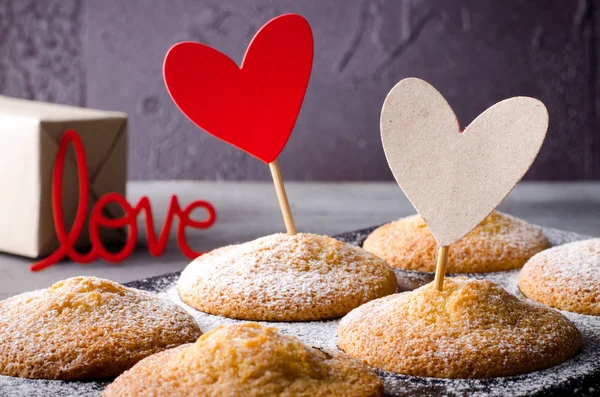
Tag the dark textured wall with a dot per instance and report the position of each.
(108, 54)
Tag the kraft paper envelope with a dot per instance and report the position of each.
(30, 133)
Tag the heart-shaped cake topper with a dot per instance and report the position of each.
(253, 107)
(456, 179)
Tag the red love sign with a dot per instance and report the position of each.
(253, 107)
(67, 239)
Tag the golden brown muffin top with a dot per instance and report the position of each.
(285, 278)
(247, 360)
(471, 329)
(566, 277)
(500, 242)
(87, 328)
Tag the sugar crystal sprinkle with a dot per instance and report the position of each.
(571, 377)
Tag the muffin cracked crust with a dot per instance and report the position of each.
(87, 328)
(500, 242)
(285, 278)
(247, 360)
(472, 329)
(566, 277)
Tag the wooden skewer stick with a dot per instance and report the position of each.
(440, 270)
(288, 219)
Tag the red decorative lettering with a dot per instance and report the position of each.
(67, 240)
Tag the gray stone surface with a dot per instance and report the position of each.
(108, 54)
(248, 210)
(41, 50)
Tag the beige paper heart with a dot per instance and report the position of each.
(453, 179)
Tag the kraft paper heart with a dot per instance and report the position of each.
(253, 107)
(456, 179)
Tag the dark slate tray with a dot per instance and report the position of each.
(578, 376)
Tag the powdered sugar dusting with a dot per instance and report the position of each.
(565, 277)
(581, 372)
(409, 280)
(499, 242)
(88, 328)
(578, 376)
(314, 333)
(285, 278)
(577, 263)
(10, 386)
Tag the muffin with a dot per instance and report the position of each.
(246, 360)
(87, 328)
(471, 329)
(500, 242)
(566, 277)
(285, 277)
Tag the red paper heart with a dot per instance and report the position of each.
(253, 107)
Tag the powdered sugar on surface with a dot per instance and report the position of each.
(17, 387)
(281, 278)
(578, 376)
(574, 266)
(580, 259)
(320, 334)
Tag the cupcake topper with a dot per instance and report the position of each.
(253, 107)
(456, 179)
